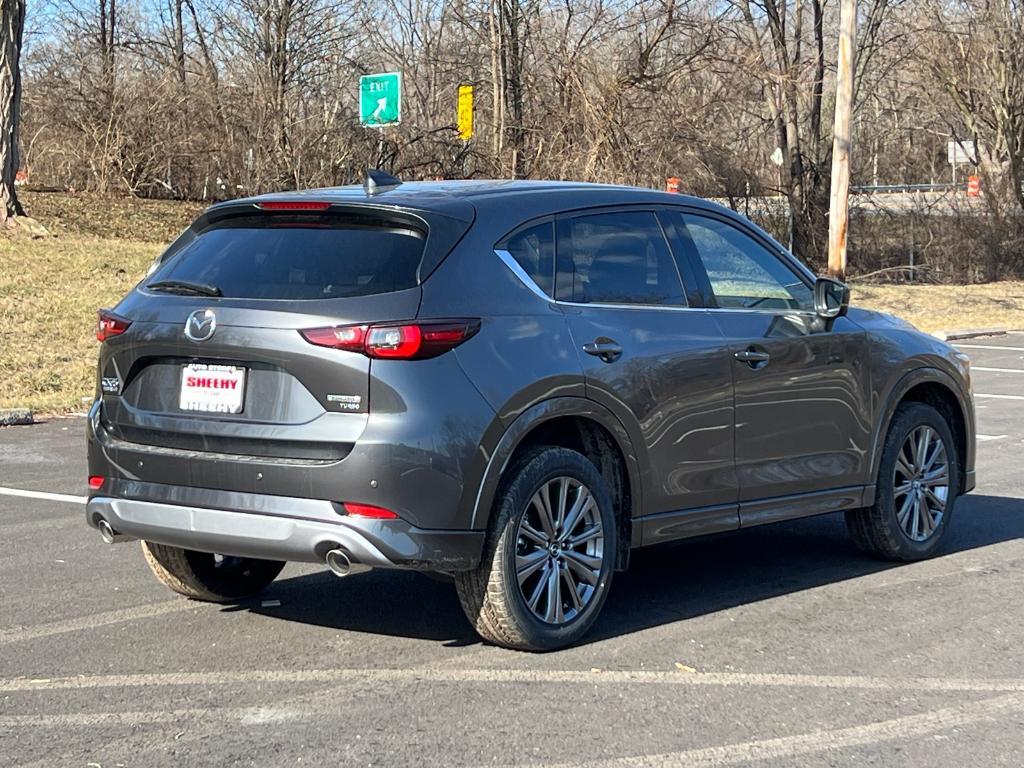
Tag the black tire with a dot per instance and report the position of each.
(212, 578)
(876, 529)
(491, 595)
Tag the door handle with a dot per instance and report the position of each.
(609, 351)
(755, 358)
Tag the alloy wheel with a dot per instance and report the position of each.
(559, 550)
(921, 483)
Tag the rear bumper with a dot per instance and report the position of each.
(279, 528)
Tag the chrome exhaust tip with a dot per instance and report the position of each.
(339, 563)
(109, 535)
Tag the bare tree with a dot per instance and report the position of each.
(214, 98)
(976, 54)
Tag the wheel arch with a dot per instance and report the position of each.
(938, 389)
(582, 425)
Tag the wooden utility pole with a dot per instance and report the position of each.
(838, 215)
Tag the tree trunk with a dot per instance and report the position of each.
(512, 56)
(12, 26)
(108, 37)
(179, 41)
(497, 87)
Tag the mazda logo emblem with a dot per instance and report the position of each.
(201, 324)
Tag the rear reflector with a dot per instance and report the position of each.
(293, 205)
(109, 325)
(406, 341)
(368, 510)
(96, 481)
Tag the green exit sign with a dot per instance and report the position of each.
(380, 99)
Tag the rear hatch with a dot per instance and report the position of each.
(207, 355)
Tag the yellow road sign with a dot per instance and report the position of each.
(465, 112)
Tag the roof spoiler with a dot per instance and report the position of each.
(376, 182)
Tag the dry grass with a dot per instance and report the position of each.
(948, 307)
(49, 293)
(50, 290)
(113, 218)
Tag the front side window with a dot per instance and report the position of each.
(743, 273)
(618, 257)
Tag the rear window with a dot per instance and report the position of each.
(300, 257)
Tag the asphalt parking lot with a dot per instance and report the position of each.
(774, 646)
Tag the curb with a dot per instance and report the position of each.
(971, 333)
(12, 417)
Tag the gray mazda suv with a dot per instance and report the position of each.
(514, 384)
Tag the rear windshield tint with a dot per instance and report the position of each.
(300, 257)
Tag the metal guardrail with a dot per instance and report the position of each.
(867, 189)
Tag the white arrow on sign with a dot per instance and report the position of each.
(382, 104)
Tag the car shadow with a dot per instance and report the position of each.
(664, 584)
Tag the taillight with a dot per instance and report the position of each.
(109, 325)
(400, 342)
(405, 341)
(96, 482)
(293, 205)
(368, 510)
(347, 337)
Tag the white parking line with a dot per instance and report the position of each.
(990, 346)
(95, 620)
(42, 495)
(1000, 397)
(945, 720)
(240, 715)
(997, 370)
(983, 438)
(47, 523)
(355, 676)
(783, 747)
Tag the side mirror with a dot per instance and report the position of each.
(831, 298)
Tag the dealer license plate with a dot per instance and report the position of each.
(212, 388)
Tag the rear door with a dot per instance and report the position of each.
(656, 362)
(803, 411)
(213, 359)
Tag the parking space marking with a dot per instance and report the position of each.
(996, 370)
(984, 438)
(20, 634)
(48, 523)
(782, 747)
(990, 346)
(1000, 397)
(45, 495)
(350, 675)
(777, 748)
(241, 715)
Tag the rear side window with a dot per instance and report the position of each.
(300, 257)
(533, 249)
(618, 257)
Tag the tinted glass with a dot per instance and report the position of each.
(280, 257)
(743, 273)
(534, 250)
(617, 258)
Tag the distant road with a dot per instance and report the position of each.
(933, 203)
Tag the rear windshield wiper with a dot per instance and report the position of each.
(186, 287)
